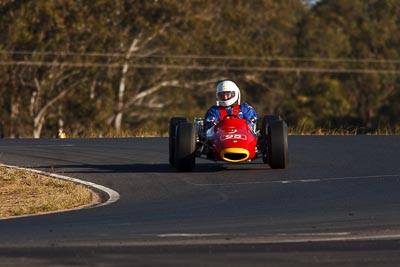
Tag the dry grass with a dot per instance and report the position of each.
(354, 131)
(302, 128)
(24, 193)
(120, 134)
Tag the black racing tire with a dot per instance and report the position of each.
(172, 130)
(185, 147)
(277, 141)
(267, 119)
(264, 132)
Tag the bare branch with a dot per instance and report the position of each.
(192, 84)
(155, 89)
(50, 103)
(37, 84)
(154, 35)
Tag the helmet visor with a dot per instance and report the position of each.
(225, 95)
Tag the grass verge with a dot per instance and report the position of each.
(26, 193)
(299, 129)
(355, 131)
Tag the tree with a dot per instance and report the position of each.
(357, 32)
(39, 27)
(120, 65)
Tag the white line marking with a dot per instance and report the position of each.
(303, 180)
(333, 238)
(310, 180)
(237, 238)
(318, 234)
(188, 235)
(285, 238)
(113, 195)
(333, 234)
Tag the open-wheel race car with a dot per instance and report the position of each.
(231, 139)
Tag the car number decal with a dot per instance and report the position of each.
(233, 136)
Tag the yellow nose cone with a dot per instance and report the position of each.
(235, 154)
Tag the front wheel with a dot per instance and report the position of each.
(172, 136)
(185, 147)
(277, 141)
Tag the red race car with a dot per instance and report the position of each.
(229, 140)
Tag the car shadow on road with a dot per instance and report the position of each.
(126, 168)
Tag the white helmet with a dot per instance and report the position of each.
(227, 94)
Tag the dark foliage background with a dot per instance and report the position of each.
(95, 67)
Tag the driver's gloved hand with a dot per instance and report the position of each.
(210, 121)
(252, 123)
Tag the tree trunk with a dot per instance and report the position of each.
(121, 90)
(40, 118)
(38, 122)
(13, 118)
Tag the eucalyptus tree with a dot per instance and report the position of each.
(36, 35)
(355, 45)
(250, 42)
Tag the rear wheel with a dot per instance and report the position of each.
(185, 147)
(172, 130)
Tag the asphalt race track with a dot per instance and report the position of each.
(338, 204)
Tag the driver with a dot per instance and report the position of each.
(228, 103)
